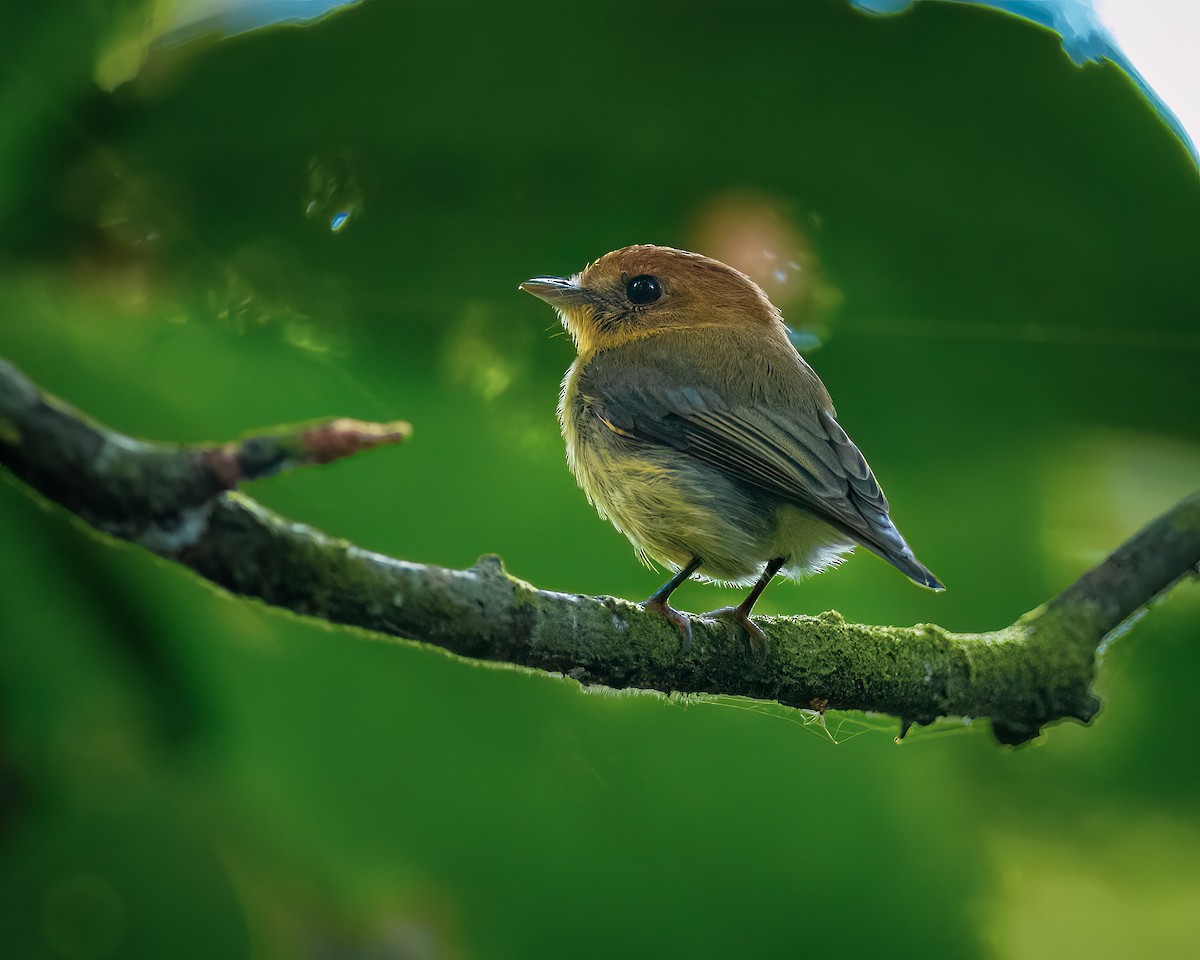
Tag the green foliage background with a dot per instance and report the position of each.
(1007, 310)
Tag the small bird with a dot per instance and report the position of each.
(692, 424)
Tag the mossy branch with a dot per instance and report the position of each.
(179, 502)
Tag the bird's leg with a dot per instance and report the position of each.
(658, 602)
(741, 613)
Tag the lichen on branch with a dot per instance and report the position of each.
(180, 502)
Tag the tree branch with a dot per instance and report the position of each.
(179, 502)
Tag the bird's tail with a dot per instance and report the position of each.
(906, 563)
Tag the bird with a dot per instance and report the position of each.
(693, 425)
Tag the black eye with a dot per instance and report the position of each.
(644, 289)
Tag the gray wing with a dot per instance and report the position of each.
(800, 453)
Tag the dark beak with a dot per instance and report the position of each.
(555, 291)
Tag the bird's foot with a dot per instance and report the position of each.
(673, 616)
(758, 640)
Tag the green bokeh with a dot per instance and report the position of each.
(1007, 249)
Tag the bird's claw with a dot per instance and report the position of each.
(673, 616)
(754, 633)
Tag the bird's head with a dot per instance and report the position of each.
(643, 290)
